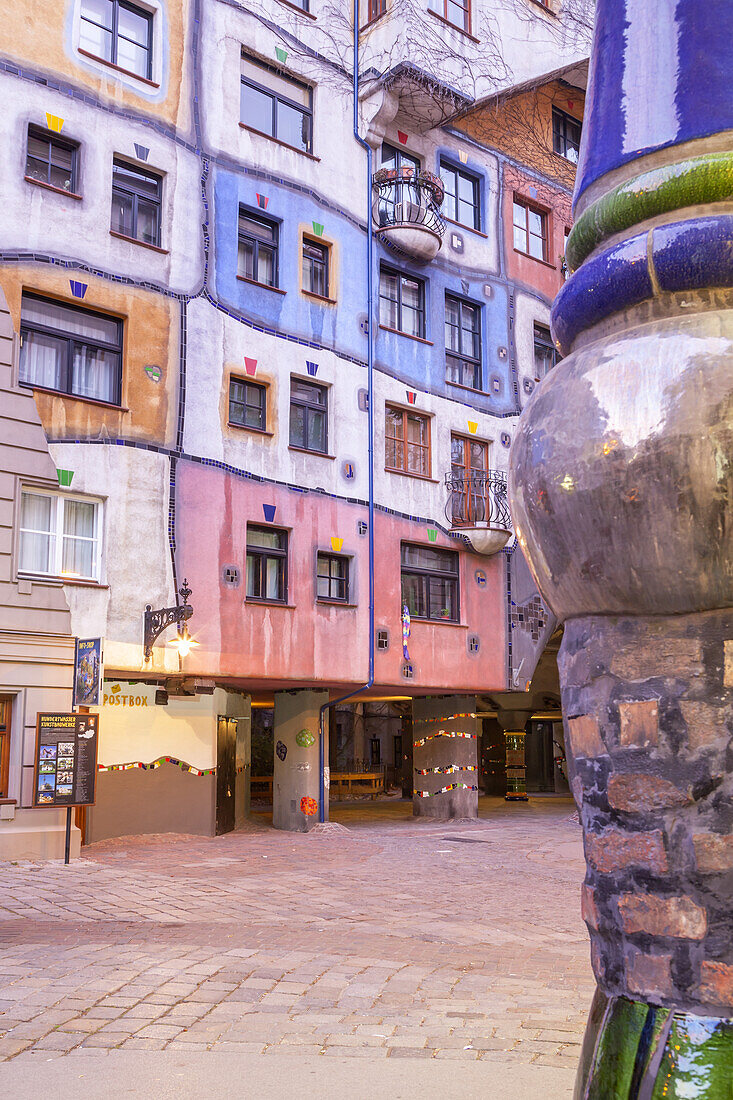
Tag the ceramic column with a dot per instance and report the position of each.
(296, 779)
(445, 757)
(622, 490)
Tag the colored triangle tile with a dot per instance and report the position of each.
(411, 397)
(402, 137)
(336, 544)
(312, 368)
(472, 427)
(463, 156)
(281, 55)
(262, 201)
(65, 478)
(54, 122)
(78, 289)
(250, 365)
(318, 229)
(432, 534)
(141, 151)
(268, 511)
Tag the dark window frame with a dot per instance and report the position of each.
(446, 165)
(261, 554)
(6, 735)
(402, 159)
(249, 384)
(427, 574)
(52, 139)
(274, 248)
(421, 311)
(447, 10)
(342, 560)
(561, 140)
(323, 261)
(465, 362)
(309, 407)
(276, 98)
(527, 207)
(425, 448)
(543, 339)
(71, 340)
(142, 13)
(130, 191)
(375, 8)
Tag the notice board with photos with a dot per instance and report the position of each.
(66, 760)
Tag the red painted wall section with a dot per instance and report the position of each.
(308, 642)
(545, 277)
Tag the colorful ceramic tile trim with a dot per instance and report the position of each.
(262, 201)
(317, 229)
(308, 806)
(268, 510)
(155, 764)
(444, 790)
(281, 749)
(78, 289)
(305, 739)
(405, 631)
(65, 478)
(463, 156)
(443, 733)
(250, 365)
(312, 368)
(54, 122)
(142, 151)
(472, 427)
(154, 373)
(281, 55)
(411, 397)
(402, 137)
(448, 770)
(336, 544)
(445, 718)
(432, 534)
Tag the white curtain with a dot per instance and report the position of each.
(37, 515)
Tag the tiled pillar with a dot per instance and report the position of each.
(296, 777)
(514, 723)
(444, 738)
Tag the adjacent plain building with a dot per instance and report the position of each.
(278, 323)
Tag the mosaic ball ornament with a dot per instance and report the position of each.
(305, 739)
(308, 806)
(281, 749)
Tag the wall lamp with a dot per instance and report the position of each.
(158, 621)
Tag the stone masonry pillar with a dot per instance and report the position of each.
(445, 757)
(296, 780)
(622, 496)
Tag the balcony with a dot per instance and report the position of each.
(406, 211)
(478, 507)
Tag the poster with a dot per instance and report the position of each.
(88, 673)
(66, 760)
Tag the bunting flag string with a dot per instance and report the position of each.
(155, 764)
(448, 770)
(444, 790)
(445, 718)
(442, 733)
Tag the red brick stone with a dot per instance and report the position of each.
(716, 984)
(676, 917)
(585, 736)
(649, 975)
(713, 852)
(637, 793)
(588, 907)
(615, 850)
(639, 724)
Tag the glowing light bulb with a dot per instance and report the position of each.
(184, 643)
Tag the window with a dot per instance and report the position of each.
(430, 582)
(402, 302)
(70, 350)
(530, 230)
(315, 268)
(462, 342)
(308, 416)
(375, 8)
(545, 355)
(276, 105)
(398, 158)
(457, 12)
(59, 535)
(118, 32)
(258, 249)
(51, 160)
(469, 460)
(407, 441)
(267, 564)
(332, 577)
(247, 404)
(136, 203)
(565, 135)
(6, 709)
(462, 196)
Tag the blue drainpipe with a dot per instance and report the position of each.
(370, 430)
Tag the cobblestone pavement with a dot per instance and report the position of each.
(381, 937)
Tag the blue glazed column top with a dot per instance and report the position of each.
(661, 74)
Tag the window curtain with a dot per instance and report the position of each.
(37, 543)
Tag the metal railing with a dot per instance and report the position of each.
(406, 197)
(478, 499)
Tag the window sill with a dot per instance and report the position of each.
(407, 335)
(468, 389)
(545, 9)
(134, 240)
(406, 473)
(299, 10)
(468, 228)
(334, 603)
(249, 428)
(9, 801)
(53, 578)
(453, 26)
(537, 260)
(262, 286)
(50, 187)
(276, 141)
(438, 622)
(74, 397)
(252, 601)
(118, 68)
(372, 22)
(307, 451)
(318, 297)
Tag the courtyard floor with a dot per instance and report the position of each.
(376, 937)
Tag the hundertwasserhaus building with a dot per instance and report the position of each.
(277, 322)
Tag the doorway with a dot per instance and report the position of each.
(226, 773)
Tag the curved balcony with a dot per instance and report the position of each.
(478, 506)
(406, 211)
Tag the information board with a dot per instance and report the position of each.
(88, 673)
(66, 760)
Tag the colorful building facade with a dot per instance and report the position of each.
(270, 352)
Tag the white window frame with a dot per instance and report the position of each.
(58, 535)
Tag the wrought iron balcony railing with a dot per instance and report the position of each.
(479, 500)
(407, 210)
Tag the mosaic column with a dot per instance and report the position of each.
(514, 723)
(296, 779)
(445, 757)
(621, 483)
